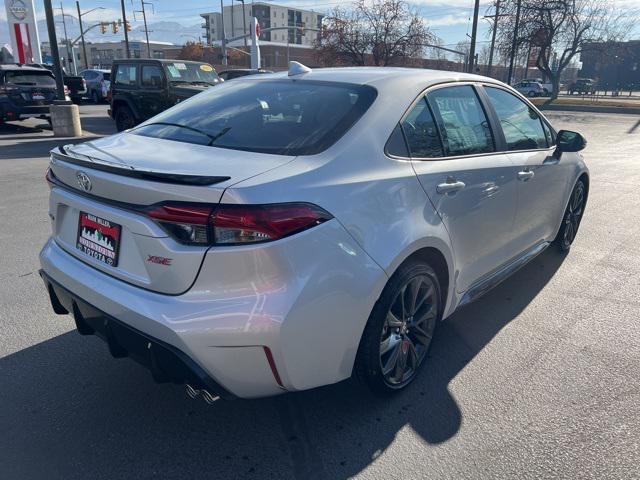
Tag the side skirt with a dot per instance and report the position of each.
(485, 284)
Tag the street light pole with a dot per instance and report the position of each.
(84, 47)
(53, 43)
(244, 23)
(224, 37)
(514, 44)
(66, 39)
(146, 32)
(474, 33)
(493, 37)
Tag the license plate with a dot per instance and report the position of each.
(98, 238)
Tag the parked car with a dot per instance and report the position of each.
(547, 87)
(241, 72)
(278, 233)
(76, 86)
(25, 92)
(97, 83)
(583, 86)
(142, 88)
(530, 89)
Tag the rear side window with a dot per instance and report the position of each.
(521, 125)
(463, 124)
(106, 76)
(151, 76)
(421, 132)
(273, 116)
(125, 75)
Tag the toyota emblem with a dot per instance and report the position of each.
(84, 181)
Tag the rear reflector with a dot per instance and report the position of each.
(272, 365)
(200, 224)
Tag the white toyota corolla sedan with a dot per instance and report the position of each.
(281, 232)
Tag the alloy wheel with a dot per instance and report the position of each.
(574, 214)
(407, 330)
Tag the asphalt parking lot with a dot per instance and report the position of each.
(538, 379)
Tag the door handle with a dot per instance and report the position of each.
(450, 186)
(525, 175)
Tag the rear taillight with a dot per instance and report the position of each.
(197, 224)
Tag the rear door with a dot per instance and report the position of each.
(541, 176)
(469, 182)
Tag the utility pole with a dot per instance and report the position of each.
(514, 44)
(493, 37)
(126, 34)
(474, 33)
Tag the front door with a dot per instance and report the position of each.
(152, 93)
(472, 187)
(541, 176)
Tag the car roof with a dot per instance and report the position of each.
(154, 60)
(383, 78)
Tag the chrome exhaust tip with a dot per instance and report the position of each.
(210, 399)
(192, 392)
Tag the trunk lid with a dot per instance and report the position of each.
(108, 182)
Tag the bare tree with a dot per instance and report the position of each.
(559, 30)
(382, 32)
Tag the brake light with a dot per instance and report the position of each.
(198, 224)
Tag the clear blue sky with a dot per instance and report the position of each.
(449, 19)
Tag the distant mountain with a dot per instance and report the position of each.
(173, 32)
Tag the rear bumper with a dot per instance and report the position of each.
(11, 111)
(166, 362)
(259, 320)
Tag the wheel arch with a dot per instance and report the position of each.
(119, 102)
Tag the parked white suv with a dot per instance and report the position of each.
(283, 232)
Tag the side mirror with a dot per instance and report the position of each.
(568, 141)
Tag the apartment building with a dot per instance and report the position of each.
(237, 21)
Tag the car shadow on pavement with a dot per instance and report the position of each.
(68, 410)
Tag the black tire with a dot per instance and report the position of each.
(531, 93)
(95, 98)
(414, 282)
(124, 118)
(572, 217)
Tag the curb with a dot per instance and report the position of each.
(590, 109)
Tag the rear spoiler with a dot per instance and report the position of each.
(62, 153)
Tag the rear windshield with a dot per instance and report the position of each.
(30, 79)
(273, 116)
(181, 72)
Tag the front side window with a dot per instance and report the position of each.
(151, 76)
(274, 116)
(126, 75)
(421, 132)
(463, 124)
(521, 125)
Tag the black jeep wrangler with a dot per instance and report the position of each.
(142, 88)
